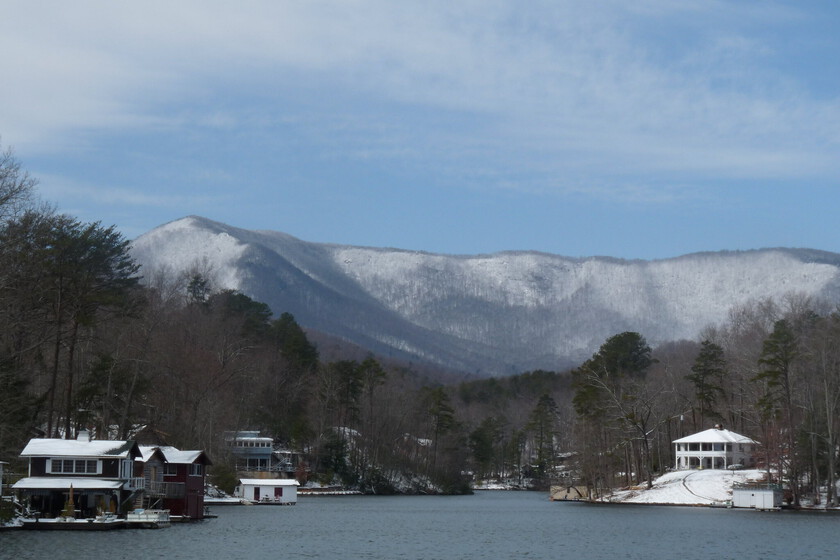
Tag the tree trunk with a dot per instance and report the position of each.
(71, 352)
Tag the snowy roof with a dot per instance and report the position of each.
(715, 435)
(174, 455)
(47, 447)
(148, 451)
(269, 482)
(64, 483)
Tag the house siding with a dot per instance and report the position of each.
(192, 504)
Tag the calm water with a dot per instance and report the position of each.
(489, 525)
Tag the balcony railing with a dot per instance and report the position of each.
(281, 467)
(160, 489)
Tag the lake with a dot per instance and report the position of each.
(488, 525)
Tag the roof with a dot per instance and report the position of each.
(49, 447)
(269, 482)
(64, 483)
(715, 435)
(149, 451)
(174, 455)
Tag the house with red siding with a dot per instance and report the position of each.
(150, 468)
(186, 470)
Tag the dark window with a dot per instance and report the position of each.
(74, 466)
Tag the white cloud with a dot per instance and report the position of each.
(56, 187)
(566, 88)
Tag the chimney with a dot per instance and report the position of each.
(83, 435)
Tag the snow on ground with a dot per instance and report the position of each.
(700, 487)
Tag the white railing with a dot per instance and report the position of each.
(155, 516)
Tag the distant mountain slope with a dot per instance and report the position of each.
(487, 314)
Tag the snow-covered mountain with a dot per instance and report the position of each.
(487, 314)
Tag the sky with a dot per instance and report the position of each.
(640, 130)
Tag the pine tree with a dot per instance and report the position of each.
(707, 375)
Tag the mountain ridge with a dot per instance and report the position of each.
(487, 314)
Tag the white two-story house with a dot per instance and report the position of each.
(715, 448)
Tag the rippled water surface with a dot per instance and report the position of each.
(489, 525)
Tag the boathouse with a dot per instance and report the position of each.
(757, 495)
(271, 491)
(715, 448)
(188, 469)
(91, 476)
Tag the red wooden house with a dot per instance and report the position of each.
(174, 480)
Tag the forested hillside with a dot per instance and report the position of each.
(88, 340)
(496, 314)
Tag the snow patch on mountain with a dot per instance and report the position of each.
(491, 314)
(215, 253)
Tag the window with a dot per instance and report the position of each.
(170, 470)
(74, 466)
(126, 468)
(195, 470)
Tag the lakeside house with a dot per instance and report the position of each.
(257, 454)
(89, 476)
(190, 469)
(173, 480)
(270, 491)
(715, 448)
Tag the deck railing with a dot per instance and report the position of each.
(160, 489)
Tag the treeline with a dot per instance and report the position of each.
(772, 372)
(85, 344)
(88, 340)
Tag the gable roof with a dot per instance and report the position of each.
(52, 447)
(174, 455)
(147, 452)
(715, 435)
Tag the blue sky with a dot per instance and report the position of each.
(645, 129)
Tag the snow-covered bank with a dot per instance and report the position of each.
(692, 487)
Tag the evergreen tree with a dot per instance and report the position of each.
(707, 375)
(484, 444)
(542, 425)
(778, 356)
